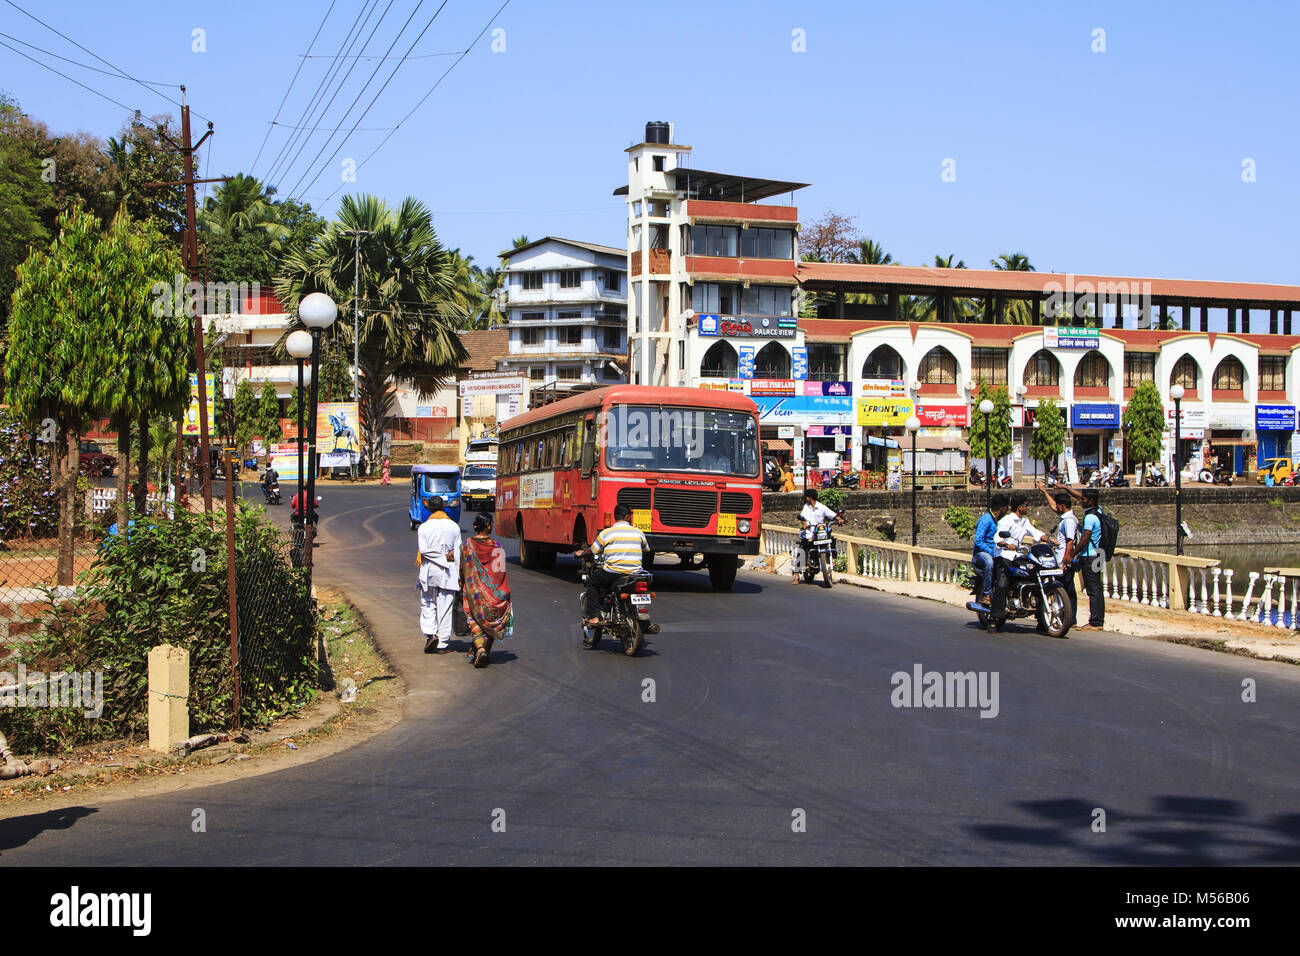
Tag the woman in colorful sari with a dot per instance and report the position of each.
(486, 591)
(386, 472)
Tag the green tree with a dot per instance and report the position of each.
(959, 308)
(245, 414)
(268, 415)
(999, 422)
(27, 199)
(409, 313)
(62, 359)
(141, 158)
(1013, 311)
(1048, 438)
(1144, 424)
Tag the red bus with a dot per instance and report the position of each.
(686, 460)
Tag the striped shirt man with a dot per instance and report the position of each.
(618, 548)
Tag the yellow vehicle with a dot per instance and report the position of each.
(1279, 468)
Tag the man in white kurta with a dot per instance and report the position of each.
(439, 562)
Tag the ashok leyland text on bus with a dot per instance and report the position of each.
(685, 460)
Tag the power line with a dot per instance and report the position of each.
(285, 172)
(96, 56)
(371, 129)
(290, 89)
(84, 66)
(426, 95)
(129, 109)
(375, 99)
(363, 56)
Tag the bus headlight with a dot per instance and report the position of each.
(743, 526)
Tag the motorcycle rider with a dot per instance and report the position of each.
(813, 514)
(617, 551)
(269, 481)
(984, 551)
(1012, 529)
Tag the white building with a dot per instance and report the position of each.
(567, 312)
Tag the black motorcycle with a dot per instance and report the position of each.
(819, 556)
(1034, 589)
(1219, 476)
(271, 488)
(624, 612)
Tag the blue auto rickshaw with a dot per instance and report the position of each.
(430, 480)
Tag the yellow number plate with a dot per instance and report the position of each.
(641, 519)
(726, 524)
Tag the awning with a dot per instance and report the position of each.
(777, 444)
(936, 443)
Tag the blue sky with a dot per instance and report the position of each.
(1124, 162)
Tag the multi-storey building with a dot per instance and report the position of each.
(567, 312)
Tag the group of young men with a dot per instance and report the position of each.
(1001, 529)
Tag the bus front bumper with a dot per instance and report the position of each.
(702, 544)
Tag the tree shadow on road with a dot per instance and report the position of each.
(16, 831)
(1175, 831)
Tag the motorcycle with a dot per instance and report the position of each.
(976, 476)
(1034, 589)
(845, 479)
(271, 491)
(1219, 476)
(1054, 477)
(1154, 477)
(820, 554)
(624, 612)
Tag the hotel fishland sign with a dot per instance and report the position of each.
(1071, 339)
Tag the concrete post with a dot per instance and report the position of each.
(1179, 577)
(913, 566)
(169, 692)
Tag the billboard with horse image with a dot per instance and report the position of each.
(338, 428)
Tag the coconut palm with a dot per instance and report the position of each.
(1013, 311)
(408, 303)
(869, 253)
(959, 309)
(242, 205)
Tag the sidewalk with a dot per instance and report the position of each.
(1135, 620)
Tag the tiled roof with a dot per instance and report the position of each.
(484, 347)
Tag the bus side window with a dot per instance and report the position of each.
(588, 447)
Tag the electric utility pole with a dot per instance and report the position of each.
(356, 235)
(190, 253)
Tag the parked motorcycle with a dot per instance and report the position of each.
(1035, 589)
(624, 612)
(820, 554)
(1154, 477)
(1219, 476)
(1054, 477)
(976, 476)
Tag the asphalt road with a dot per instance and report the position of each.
(772, 705)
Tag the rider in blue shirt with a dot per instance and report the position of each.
(985, 549)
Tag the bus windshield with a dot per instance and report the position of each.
(665, 438)
(480, 471)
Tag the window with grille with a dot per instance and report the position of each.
(532, 281)
(570, 335)
(568, 373)
(824, 363)
(989, 366)
(1230, 375)
(939, 367)
(537, 372)
(1185, 373)
(1272, 372)
(884, 362)
(570, 278)
(720, 361)
(1139, 367)
(1043, 371)
(1093, 371)
(531, 336)
(772, 361)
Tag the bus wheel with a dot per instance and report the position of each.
(722, 570)
(527, 551)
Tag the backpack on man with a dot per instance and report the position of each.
(1109, 533)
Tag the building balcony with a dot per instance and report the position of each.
(729, 268)
(743, 212)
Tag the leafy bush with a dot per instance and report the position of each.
(961, 521)
(832, 498)
(29, 501)
(166, 584)
(965, 575)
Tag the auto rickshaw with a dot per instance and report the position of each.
(430, 480)
(1278, 468)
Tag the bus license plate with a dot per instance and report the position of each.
(726, 524)
(641, 519)
(640, 600)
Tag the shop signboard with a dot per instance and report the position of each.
(943, 416)
(753, 326)
(1193, 422)
(785, 431)
(1071, 339)
(1230, 415)
(827, 431)
(804, 409)
(1094, 415)
(708, 325)
(772, 386)
(490, 385)
(882, 388)
(875, 412)
(1275, 418)
(799, 360)
(746, 361)
(828, 388)
(723, 384)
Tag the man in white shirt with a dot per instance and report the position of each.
(438, 559)
(813, 514)
(1014, 526)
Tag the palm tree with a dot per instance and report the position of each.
(869, 253)
(1013, 311)
(410, 304)
(959, 309)
(242, 205)
(520, 241)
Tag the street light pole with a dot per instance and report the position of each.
(1176, 393)
(298, 345)
(317, 311)
(986, 409)
(913, 426)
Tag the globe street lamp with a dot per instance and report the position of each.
(913, 426)
(986, 409)
(1176, 393)
(298, 345)
(317, 311)
(1031, 452)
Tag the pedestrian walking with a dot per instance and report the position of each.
(486, 593)
(438, 559)
(1090, 561)
(386, 472)
(1067, 531)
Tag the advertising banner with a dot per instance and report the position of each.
(800, 360)
(1275, 418)
(192, 413)
(1090, 415)
(723, 384)
(943, 416)
(536, 491)
(337, 459)
(828, 388)
(772, 386)
(826, 431)
(804, 410)
(491, 385)
(883, 388)
(880, 412)
(285, 459)
(1193, 422)
(289, 426)
(1230, 415)
(1068, 338)
(746, 361)
(338, 428)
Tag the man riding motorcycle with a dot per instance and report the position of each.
(617, 552)
(813, 514)
(270, 480)
(1012, 529)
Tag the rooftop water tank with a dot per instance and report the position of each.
(656, 133)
